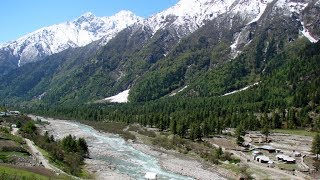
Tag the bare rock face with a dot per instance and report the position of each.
(311, 17)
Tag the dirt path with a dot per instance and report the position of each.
(35, 152)
(39, 156)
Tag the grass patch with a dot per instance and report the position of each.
(21, 154)
(10, 173)
(8, 136)
(299, 132)
(60, 165)
(111, 127)
(288, 167)
(52, 161)
(141, 130)
(232, 167)
(8, 157)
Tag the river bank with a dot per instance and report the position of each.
(114, 158)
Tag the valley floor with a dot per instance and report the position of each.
(111, 157)
(103, 151)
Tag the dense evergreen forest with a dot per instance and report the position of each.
(287, 96)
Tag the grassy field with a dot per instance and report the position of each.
(8, 173)
(288, 167)
(295, 132)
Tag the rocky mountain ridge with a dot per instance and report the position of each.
(53, 39)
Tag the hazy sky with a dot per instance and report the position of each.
(19, 17)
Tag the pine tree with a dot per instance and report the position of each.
(173, 126)
(265, 131)
(239, 133)
(315, 148)
(205, 129)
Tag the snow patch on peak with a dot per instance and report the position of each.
(124, 13)
(189, 15)
(122, 97)
(262, 7)
(250, 10)
(291, 6)
(88, 15)
(77, 33)
(307, 34)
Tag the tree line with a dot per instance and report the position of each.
(68, 152)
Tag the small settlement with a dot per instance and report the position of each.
(259, 156)
(278, 151)
(10, 113)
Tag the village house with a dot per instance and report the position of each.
(262, 159)
(286, 159)
(14, 112)
(270, 149)
(2, 113)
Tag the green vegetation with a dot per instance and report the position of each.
(11, 147)
(200, 149)
(288, 167)
(142, 131)
(111, 127)
(10, 173)
(300, 132)
(286, 96)
(264, 105)
(315, 148)
(68, 152)
(239, 133)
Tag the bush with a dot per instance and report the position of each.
(145, 132)
(29, 128)
(164, 142)
(14, 149)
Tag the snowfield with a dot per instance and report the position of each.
(119, 98)
(306, 34)
(243, 89)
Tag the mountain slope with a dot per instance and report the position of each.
(53, 39)
(209, 56)
(199, 58)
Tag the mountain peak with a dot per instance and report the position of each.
(77, 33)
(88, 15)
(125, 13)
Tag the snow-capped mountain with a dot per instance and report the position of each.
(183, 18)
(53, 39)
(189, 15)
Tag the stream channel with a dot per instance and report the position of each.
(112, 150)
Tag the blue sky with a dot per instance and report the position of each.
(19, 17)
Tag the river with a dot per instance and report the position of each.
(111, 151)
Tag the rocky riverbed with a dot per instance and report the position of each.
(111, 157)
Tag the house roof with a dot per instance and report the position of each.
(285, 157)
(266, 147)
(150, 175)
(263, 158)
(256, 152)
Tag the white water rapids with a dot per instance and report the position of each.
(112, 150)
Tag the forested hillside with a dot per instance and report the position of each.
(287, 96)
(179, 67)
